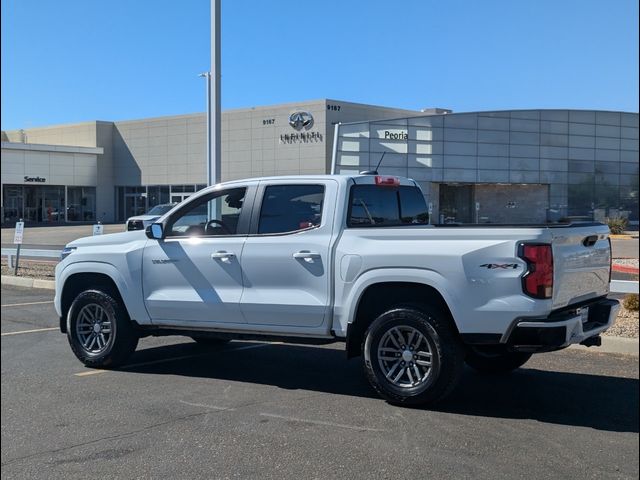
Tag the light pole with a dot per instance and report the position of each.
(209, 159)
(214, 136)
(214, 130)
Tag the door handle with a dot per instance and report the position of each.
(223, 256)
(306, 255)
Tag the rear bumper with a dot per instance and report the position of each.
(563, 328)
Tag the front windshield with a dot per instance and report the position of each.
(160, 209)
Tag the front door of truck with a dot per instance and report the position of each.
(193, 275)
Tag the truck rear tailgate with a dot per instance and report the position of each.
(582, 261)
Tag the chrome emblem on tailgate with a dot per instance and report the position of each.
(504, 266)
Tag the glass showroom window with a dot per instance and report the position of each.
(157, 195)
(81, 204)
(12, 203)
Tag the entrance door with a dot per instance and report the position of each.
(286, 262)
(44, 204)
(52, 204)
(134, 204)
(456, 203)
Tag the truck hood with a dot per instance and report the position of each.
(109, 239)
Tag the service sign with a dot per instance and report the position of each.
(97, 229)
(17, 237)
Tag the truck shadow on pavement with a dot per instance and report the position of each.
(564, 398)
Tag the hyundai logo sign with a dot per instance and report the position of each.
(301, 120)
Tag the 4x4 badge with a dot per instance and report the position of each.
(505, 266)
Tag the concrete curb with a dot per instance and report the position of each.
(28, 282)
(621, 345)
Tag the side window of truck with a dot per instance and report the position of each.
(213, 215)
(383, 206)
(290, 208)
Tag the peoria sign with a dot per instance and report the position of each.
(398, 135)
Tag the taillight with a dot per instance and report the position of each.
(387, 181)
(537, 281)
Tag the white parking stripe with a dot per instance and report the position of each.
(203, 405)
(319, 422)
(25, 304)
(31, 331)
(165, 360)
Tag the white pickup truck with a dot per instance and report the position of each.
(320, 259)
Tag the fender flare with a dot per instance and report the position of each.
(131, 295)
(429, 278)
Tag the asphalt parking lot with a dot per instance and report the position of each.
(257, 410)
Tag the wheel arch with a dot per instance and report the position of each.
(378, 297)
(76, 282)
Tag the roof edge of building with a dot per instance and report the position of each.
(49, 148)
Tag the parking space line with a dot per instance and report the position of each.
(25, 304)
(319, 422)
(166, 360)
(95, 371)
(30, 331)
(202, 405)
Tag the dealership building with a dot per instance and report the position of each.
(494, 167)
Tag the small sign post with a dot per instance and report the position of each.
(477, 212)
(17, 240)
(430, 211)
(98, 228)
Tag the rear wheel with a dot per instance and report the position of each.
(412, 355)
(99, 330)
(495, 360)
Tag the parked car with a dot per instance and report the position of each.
(350, 258)
(140, 222)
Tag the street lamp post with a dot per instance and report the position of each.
(209, 159)
(214, 137)
(214, 130)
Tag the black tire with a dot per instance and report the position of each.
(494, 360)
(210, 341)
(123, 338)
(446, 357)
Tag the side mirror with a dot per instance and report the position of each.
(155, 231)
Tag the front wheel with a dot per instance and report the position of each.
(99, 330)
(488, 360)
(412, 355)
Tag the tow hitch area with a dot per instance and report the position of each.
(592, 341)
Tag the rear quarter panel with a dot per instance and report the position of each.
(455, 261)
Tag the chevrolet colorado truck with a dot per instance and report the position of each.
(351, 258)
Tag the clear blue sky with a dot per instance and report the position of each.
(76, 60)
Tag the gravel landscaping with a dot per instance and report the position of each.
(626, 262)
(31, 269)
(626, 324)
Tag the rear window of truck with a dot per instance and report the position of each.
(384, 206)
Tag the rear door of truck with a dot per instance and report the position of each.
(286, 257)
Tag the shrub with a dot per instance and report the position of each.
(617, 225)
(630, 302)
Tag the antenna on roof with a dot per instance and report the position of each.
(374, 172)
